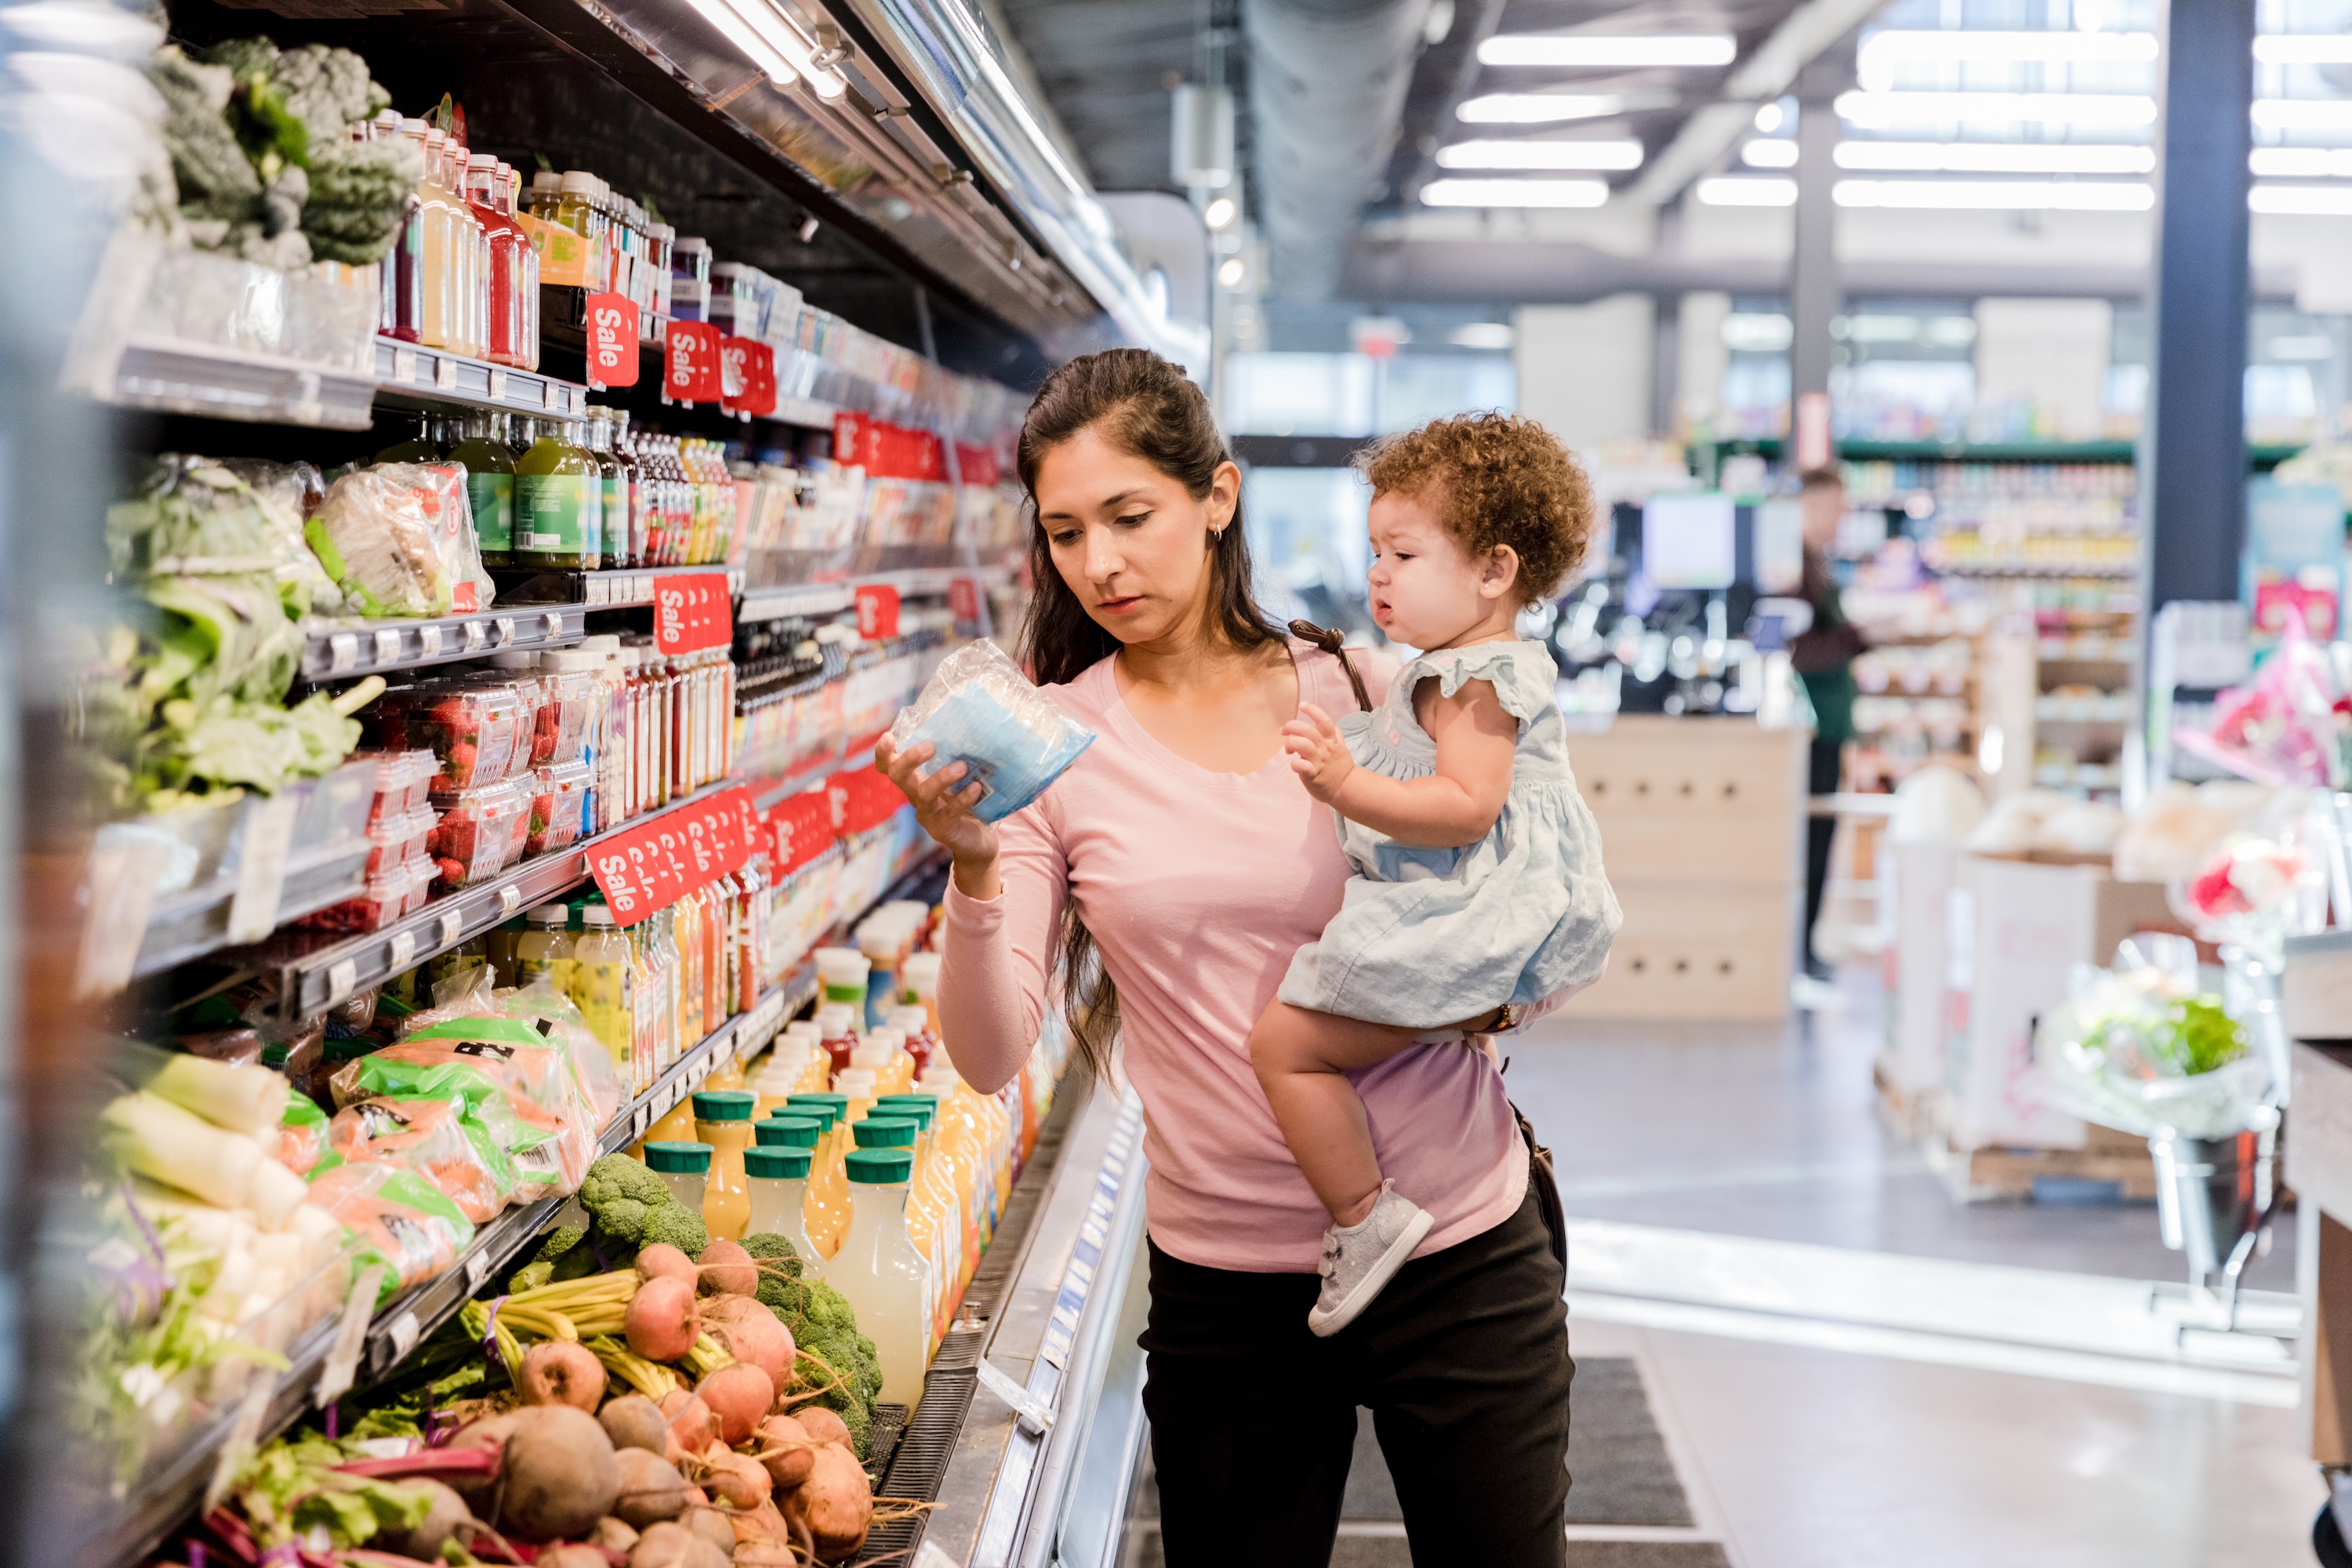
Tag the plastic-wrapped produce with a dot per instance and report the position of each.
(476, 832)
(396, 1218)
(980, 710)
(555, 806)
(431, 1137)
(399, 537)
(473, 728)
(200, 516)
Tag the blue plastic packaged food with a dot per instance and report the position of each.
(980, 710)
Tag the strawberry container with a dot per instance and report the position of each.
(558, 795)
(480, 830)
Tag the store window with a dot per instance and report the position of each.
(1359, 395)
(1903, 370)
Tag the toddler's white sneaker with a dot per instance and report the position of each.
(1360, 1259)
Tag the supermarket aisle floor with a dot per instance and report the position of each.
(1851, 1369)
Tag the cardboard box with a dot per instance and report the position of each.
(2013, 932)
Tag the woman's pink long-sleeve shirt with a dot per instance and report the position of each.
(1198, 886)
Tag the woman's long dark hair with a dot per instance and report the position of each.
(1142, 405)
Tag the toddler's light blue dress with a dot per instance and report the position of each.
(1427, 937)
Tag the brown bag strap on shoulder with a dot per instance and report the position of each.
(1333, 644)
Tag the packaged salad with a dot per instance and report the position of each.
(399, 539)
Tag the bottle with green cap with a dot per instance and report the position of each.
(931, 1202)
(722, 1119)
(779, 1181)
(828, 1213)
(684, 1168)
(878, 1270)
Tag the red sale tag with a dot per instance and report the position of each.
(878, 611)
(612, 340)
(963, 598)
(690, 372)
(693, 612)
(756, 390)
(732, 351)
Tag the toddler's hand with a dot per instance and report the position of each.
(1318, 753)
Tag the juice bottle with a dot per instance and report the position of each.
(802, 1045)
(481, 451)
(714, 950)
(502, 286)
(797, 1136)
(615, 508)
(545, 950)
(836, 1031)
(959, 1146)
(470, 326)
(880, 1273)
(777, 1178)
(918, 983)
(857, 1086)
(625, 448)
(557, 493)
(929, 1206)
(526, 273)
(683, 1165)
(438, 263)
(915, 1026)
(828, 1201)
(420, 446)
(402, 313)
(602, 988)
(686, 930)
(722, 1119)
(499, 944)
(646, 1033)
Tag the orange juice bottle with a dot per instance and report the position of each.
(722, 1119)
(828, 1188)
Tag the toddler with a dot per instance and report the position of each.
(1478, 883)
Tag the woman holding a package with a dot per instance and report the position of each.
(1170, 875)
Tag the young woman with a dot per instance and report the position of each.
(1171, 874)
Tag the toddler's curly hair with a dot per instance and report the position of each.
(1493, 479)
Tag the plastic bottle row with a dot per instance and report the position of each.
(462, 275)
(548, 494)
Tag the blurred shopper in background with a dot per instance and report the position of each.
(1822, 656)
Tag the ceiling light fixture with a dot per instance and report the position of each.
(1996, 158)
(1769, 117)
(1997, 195)
(1574, 49)
(1624, 154)
(1219, 211)
(1879, 111)
(1484, 335)
(1231, 272)
(1731, 191)
(2309, 201)
(2304, 49)
(2303, 113)
(1774, 154)
(1537, 108)
(1515, 192)
(2301, 163)
(1954, 46)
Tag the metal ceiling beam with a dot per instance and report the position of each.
(1760, 79)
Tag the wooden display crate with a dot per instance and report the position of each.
(1996, 1174)
(1702, 833)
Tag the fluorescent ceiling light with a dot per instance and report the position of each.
(1878, 111)
(1730, 190)
(1233, 271)
(1537, 108)
(1997, 195)
(2317, 346)
(2302, 163)
(2303, 113)
(1996, 158)
(1780, 154)
(1219, 211)
(1515, 192)
(1592, 49)
(1880, 53)
(1770, 116)
(1757, 332)
(2315, 201)
(2303, 49)
(1540, 156)
(1484, 335)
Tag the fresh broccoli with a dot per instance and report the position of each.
(676, 1224)
(782, 1289)
(828, 1327)
(560, 1240)
(768, 1245)
(616, 1176)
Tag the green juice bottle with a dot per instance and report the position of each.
(490, 485)
(421, 446)
(557, 504)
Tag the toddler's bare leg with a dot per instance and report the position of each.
(1300, 1057)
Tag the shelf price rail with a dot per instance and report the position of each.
(171, 1493)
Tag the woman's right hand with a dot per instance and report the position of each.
(945, 810)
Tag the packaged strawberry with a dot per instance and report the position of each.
(558, 795)
(480, 830)
(472, 724)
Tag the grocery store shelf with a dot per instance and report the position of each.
(332, 651)
(599, 590)
(410, 373)
(799, 599)
(807, 413)
(314, 973)
(2036, 569)
(190, 925)
(809, 774)
(931, 582)
(178, 377)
